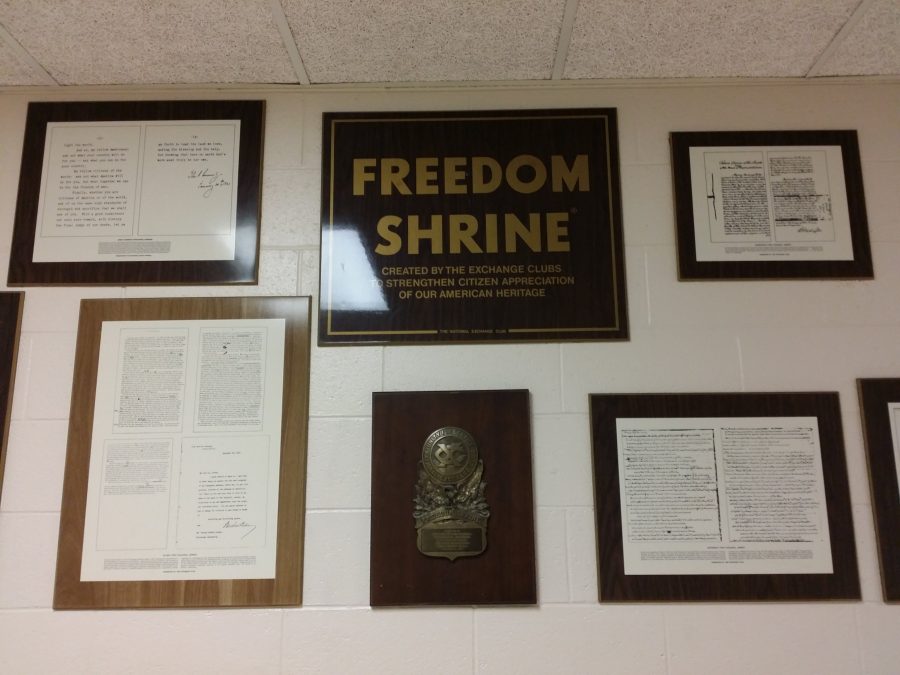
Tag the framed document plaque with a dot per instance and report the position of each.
(770, 205)
(139, 192)
(186, 462)
(11, 304)
(471, 227)
(880, 403)
(452, 507)
(722, 497)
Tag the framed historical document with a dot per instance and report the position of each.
(186, 462)
(880, 403)
(475, 226)
(452, 507)
(722, 497)
(11, 304)
(139, 192)
(770, 205)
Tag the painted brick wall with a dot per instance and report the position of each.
(738, 336)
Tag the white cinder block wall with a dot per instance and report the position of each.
(737, 336)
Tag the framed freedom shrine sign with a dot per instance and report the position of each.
(139, 192)
(722, 496)
(471, 227)
(770, 205)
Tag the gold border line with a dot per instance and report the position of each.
(560, 330)
(385, 332)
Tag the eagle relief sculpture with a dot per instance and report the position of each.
(451, 513)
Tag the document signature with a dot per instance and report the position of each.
(207, 180)
(231, 524)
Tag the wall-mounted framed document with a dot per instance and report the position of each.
(880, 404)
(11, 304)
(186, 462)
(722, 497)
(139, 192)
(471, 226)
(770, 205)
(452, 504)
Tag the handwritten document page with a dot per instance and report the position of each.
(894, 414)
(138, 190)
(770, 203)
(723, 495)
(185, 451)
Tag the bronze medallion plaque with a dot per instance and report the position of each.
(450, 510)
(452, 506)
(471, 227)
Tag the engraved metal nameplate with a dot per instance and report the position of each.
(451, 513)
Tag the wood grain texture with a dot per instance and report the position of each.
(11, 306)
(500, 422)
(242, 270)
(874, 395)
(286, 587)
(689, 268)
(615, 586)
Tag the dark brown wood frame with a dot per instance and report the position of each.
(286, 587)
(11, 305)
(874, 396)
(242, 270)
(689, 268)
(594, 307)
(615, 586)
(504, 573)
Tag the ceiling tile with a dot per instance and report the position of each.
(872, 47)
(14, 72)
(425, 40)
(168, 41)
(699, 38)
